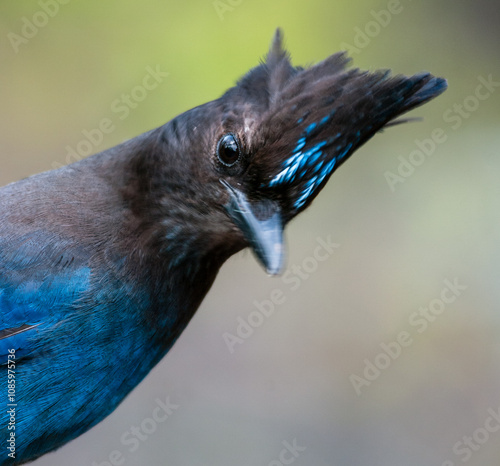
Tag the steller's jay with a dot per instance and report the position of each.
(104, 262)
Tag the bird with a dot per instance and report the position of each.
(103, 262)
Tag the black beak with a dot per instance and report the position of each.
(265, 236)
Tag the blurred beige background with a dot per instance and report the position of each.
(320, 381)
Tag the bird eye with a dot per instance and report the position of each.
(228, 150)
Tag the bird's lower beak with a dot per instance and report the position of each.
(261, 224)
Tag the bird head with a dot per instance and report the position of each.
(264, 150)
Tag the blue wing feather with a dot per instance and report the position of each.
(33, 293)
(65, 319)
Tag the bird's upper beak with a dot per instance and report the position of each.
(262, 227)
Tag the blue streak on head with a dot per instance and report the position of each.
(324, 119)
(298, 163)
(311, 162)
(328, 168)
(316, 180)
(317, 167)
(299, 160)
(300, 144)
(310, 129)
(345, 151)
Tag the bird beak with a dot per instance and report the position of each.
(265, 236)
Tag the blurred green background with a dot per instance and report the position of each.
(431, 402)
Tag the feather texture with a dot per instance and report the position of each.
(104, 262)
